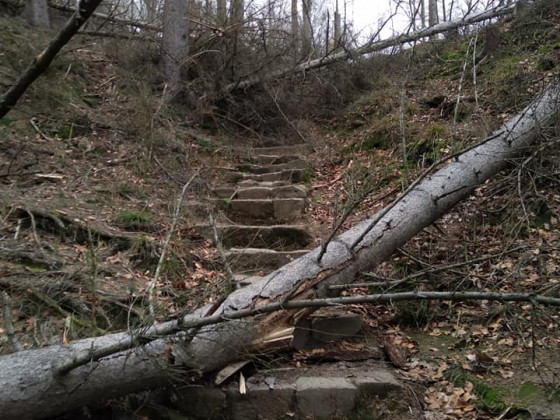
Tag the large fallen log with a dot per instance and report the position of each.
(374, 46)
(42, 382)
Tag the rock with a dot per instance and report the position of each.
(324, 396)
(261, 402)
(333, 327)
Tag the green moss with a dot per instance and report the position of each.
(133, 220)
(426, 151)
(382, 134)
(491, 398)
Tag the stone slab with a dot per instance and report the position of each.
(375, 382)
(259, 192)
(256, 209)
(325, 397)
(291, 175)
(333, 327)
(274, 159)
(288, 208)
(277, 167)
(277, 237)
(261, 402)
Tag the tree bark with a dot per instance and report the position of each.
(294, 26)
(43, 60)
(306, 29)
(221, 12)
(372, 47)
(35, 385)
(432, 13)
(175, 43)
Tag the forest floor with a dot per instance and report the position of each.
(91, 167)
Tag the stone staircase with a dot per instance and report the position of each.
(262, 227)
(264, 202)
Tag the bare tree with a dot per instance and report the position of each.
(432, 13)
(337, 27)
(175, 43)
(221, 12)
(294, 24)
(306, 30)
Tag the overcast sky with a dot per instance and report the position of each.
(366, 13)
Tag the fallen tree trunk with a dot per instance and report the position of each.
(37, 383)
(373, 47)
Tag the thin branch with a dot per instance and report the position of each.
(431, 270)
(144, 335)
(152, 286)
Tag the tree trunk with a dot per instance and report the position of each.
(221, 12)
(337, 27)
(31, 387)
(175, 43)
(236, 20)
(306, 30)
(43, 60)
(432, 13)
(294, 26)
(37, 13)
(373, 46)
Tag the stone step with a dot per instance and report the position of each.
(273, 159)
(279, 209)
(315, 391)
(324, 326)
(279, 167)
(248, 259)
(259, 192)
(277, 237)
(301, 149)
(264, 184)
(291, 175)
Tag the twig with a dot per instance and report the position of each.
(152, 286)
(229, 273)
(274, 99)
(38, 130)
(8, 324)
(53, 304)
(164, 169)
(347, 212)
(397, 282)
(417, 181)
(456, 112)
